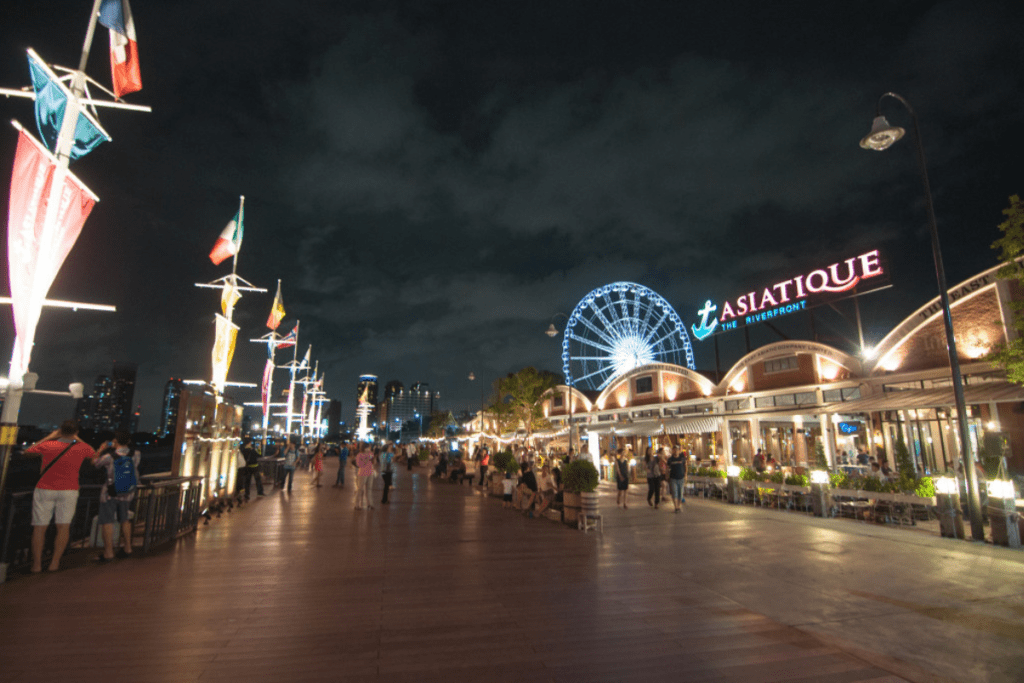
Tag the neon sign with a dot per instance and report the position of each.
(795, 294)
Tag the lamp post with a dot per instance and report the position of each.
(881, 137)
(552, 332)
(472, 377)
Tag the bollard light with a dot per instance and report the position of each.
(946, 485)
(819, 477)
(1001, 488)
(733, 470)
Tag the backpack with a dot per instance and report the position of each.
(125, 480)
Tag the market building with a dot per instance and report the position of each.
(793, 398)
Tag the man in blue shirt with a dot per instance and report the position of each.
(342, 461)
(387, 469)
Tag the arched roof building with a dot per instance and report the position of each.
(793, 398)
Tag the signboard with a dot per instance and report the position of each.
(798, 293)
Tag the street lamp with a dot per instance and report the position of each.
(552, 332)
(471, 378)
(881, 137)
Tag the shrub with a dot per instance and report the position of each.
(777, 477)
(579, 476)
(505, 461)
(925, 487)
(820, 461)
(797, 480)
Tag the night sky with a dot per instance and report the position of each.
(433, 181)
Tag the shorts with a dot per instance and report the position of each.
(53, 505)
(676, 485)
(507, 497)
(114, 510)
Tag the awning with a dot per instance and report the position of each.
(648, 428)
(694, 425)
(984, 392)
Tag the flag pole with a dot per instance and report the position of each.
(62, 152)
(291, 382)
(241, 231)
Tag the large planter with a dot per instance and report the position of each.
(571, 505)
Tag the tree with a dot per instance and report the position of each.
(1011, 247)
(518, 401)
(440, 421)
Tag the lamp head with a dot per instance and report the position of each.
(551, 331)
(77, 389)
(882, 135)
(472, 377)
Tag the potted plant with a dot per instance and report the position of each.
(579, 487)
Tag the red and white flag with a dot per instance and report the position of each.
(48, 207)
(116, 15)
(229, 242)
(268, 373)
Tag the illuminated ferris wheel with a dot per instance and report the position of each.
(619, 327)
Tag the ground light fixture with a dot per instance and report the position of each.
(819, 477)
(881, 137)
(946, 485)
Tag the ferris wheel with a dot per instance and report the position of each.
(619, 327)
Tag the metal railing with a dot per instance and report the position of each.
(163, 509)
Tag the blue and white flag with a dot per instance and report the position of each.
(51, 103)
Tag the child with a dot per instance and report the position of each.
(318, 465)
(507, 485)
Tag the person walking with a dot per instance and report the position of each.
(364, 474)
(485, 460)
(653, 478)
(122, 467)
(387, 470)
(677, 471)
(252, 467)
(56, 495)
(291, 456)
(318, 465)
(342, 462)
(621, 480)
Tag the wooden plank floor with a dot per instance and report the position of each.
(440, 585)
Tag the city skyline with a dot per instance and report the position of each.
(434, 182)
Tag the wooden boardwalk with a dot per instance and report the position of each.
(440, 585)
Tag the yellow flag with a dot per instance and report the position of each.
(223, 351)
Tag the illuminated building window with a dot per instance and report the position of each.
(781, 365)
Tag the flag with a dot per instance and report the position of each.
(229, 296)
(268, 373)
(290, 338)
(116, 15)
(51, 104)
(43, 195)
(223, 351)
(277, 310)
(305, 361)
(364, 397)
(229, 242)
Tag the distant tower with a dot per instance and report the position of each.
(366, 399)
(169, 411)
(122, 395)
(102, 403)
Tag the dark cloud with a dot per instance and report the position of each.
(432, 182)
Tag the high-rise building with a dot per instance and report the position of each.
(169, 410)
(332, 413)
(122, 395)
(401, 405)
(109, 406)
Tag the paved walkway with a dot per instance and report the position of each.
(445, 585)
